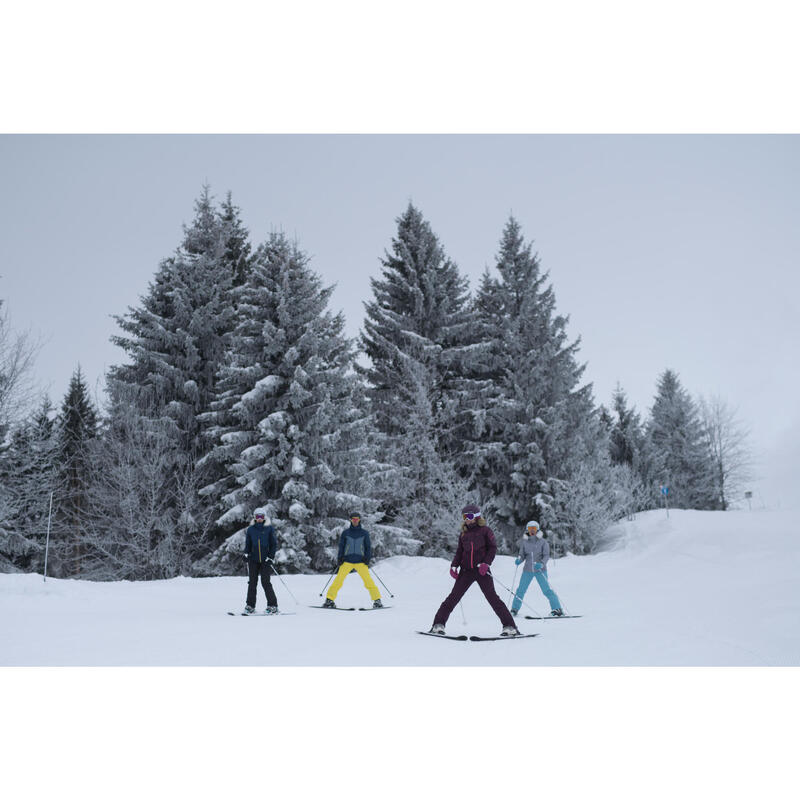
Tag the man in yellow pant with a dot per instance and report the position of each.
(355, 552)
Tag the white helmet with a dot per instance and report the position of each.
(261, 512)
(533, 524)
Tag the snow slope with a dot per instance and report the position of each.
(697, 588)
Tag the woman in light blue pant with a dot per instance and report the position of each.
(535, 552)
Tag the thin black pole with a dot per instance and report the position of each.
(535, 611)
(272, 566)
(382, 583)
(336, 569)
(47, 543)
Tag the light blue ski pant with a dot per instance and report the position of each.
(525, 582)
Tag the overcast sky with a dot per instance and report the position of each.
(665, 251)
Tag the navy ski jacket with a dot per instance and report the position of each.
(355, 546)
(260, 543)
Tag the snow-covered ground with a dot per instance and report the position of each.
(698, 588)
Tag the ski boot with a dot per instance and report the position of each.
(328, 603)
(271, 610)
(509, 630)
(556, 612)
(377, 604)
(437, 628)
(249, 610)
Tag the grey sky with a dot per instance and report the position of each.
(665, 251)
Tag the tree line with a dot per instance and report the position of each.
(240, 389)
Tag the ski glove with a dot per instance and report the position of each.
(518, 561)
(538, 567)
(483, 568)
(454, 572)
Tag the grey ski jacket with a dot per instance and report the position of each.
(534, 551)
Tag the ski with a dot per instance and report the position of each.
(461, 638)
(498, 638)
(563, 616)
(260, 614)
(370, 608)
(335, 608)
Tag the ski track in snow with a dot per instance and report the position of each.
(697, 588)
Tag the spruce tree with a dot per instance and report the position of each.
(177, 339)
(77, 428)
(537, 449)
(28, 473)
(680, 455)
(420, 337)
(289, 426)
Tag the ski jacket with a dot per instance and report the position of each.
(476, 545)
(534, 550)
(260, 543)
(355, 546)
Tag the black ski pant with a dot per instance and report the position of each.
(254, 571)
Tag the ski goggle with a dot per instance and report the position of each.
(472, 516)
(260, 516)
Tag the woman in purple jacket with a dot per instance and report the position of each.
(476, 551)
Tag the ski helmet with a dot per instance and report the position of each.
(260, 512)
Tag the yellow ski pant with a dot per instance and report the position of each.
(344, 571)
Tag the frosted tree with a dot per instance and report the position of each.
(28, 473)
(76, 429)
(728, 442)
(629, 456)
(626, 437)
(17, 357)
(680, 455)
(177, 338)
(290, 430)
(536, 450)
(421, 339)
(138, 524)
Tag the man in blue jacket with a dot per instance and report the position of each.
(355, 552)
(260, 544)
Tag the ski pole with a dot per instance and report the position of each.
(463, 615)
(513, 581)
(335, 570)
(284, 583)
(382, 583)
(535, 611)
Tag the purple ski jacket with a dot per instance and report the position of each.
(476, 545)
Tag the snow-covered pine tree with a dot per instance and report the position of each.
(76, 429)
(28, 473)
(290, 430)
(238, 250)
(679, 450)
(177, 338)
(421, 339)
(626, 437)
(537, 448)
(629, 456)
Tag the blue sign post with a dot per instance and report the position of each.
(665, 493)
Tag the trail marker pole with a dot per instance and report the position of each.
(47, 543)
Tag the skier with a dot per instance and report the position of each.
(535, 552)
(476, 551)
(259, 549)
(355, 552)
